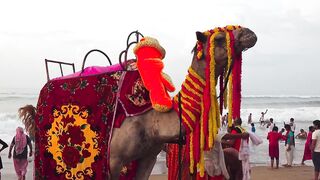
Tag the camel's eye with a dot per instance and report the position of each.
(219, 39)
(220, 43)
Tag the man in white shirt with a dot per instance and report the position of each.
(262, 123)
(315, 148)
(270, 125)
(292, 124)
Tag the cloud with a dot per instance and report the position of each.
(287, 37)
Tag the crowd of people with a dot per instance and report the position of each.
(19, 145)
(287, 134)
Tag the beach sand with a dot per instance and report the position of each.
(266, 173)
(259, 172)
(263, 172)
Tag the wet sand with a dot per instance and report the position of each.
(259, 172)
(266, 173)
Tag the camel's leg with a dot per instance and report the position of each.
(145, 166)
(115, 168)
(128, 143)
(233, 163)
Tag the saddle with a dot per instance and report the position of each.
(76, 115)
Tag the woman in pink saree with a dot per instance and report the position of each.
(307, 151)
(20, 153)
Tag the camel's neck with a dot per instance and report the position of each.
(168, 126)
(191, 98)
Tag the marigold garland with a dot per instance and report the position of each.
(200, 108)
(228, 93)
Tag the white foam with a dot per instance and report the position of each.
(302, 114)
(9, 123)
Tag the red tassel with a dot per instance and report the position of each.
(206, 93)
(236, 81)
(237, 87)
(196, 144)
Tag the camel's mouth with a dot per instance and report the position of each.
(245, 39)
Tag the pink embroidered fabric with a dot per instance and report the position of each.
(93, 70)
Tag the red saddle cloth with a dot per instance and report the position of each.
(75, 117)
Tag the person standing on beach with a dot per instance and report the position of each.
(4, 145)
(307, 146)
(315, 148)
(289, 138)
(250, 118)
(262, 117)
(292, 125)
(271, 125)
(224, 120)
(215, 165)
(235, 143)
(20, 153)
(274, 137)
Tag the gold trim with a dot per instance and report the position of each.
(150, 42)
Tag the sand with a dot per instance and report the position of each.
(297, 172)
(266, 173)
(261, 172)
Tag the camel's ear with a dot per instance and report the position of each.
(201, 37)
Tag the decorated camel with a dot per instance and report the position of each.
(139, 138)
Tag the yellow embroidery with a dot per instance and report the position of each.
(68, 117)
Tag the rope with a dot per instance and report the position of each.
(180, 137)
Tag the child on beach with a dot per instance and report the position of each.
(274, 137)
(253, 129)
(307, 146)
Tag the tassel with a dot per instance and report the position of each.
(236, 76)
(191, 167)
(229, 51)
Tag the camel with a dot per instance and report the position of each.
(142, 137)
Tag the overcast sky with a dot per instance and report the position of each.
(284, 61)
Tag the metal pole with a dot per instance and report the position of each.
(48, 78)
(61, 69)
(74, 70)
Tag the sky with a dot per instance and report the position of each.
(283, 62)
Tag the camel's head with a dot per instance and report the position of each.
(243, 38)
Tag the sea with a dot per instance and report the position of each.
(304, 110)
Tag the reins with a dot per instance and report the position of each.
(226, 80)
(180, 141)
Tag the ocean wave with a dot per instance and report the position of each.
(8, 116)
(9, 123)
(301, 114)
(10, 98)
